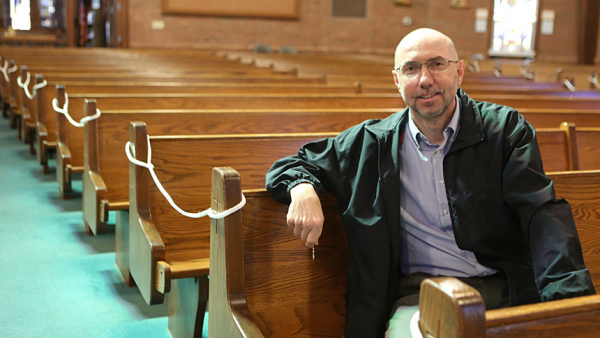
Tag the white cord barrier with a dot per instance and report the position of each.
(25, 86)
(65, 111)
(3, 70)
(6, 71)
(594, 81)
(208, 212)
(569, 85)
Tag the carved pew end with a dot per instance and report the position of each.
(450, 308)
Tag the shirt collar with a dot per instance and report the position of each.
(416, 135)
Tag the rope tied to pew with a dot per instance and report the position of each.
(6, 71)
(594, 80)
(569, 85)
(25, 86)
(148, 165)
(65, 111)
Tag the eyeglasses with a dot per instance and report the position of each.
(435, 65)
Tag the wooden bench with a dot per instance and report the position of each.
(105, 178)
(250, 295)
(69, 153)
(450, 308)
(46, 117)
(156, 231)
(263, 280)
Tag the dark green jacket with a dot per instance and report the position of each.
(502, 204)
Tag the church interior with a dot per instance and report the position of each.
(124, 122)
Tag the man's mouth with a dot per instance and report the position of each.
(426, 96)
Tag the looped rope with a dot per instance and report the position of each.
(594, 81)
(3, 70)
(148, 165)
(12, 70)
(65, 111)
(569, 85)
(35, 87)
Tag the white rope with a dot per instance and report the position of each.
(594, 81)
(13, 69)
(208, 212)
(526, 74)
(569, 85)
(65, 111)
(35, 87)
(3, 70)
(25, 86)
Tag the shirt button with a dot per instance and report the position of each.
(485, 274)
(437, 151)
(441, 181)
(445, 212)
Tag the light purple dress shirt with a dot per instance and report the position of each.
(426, 227)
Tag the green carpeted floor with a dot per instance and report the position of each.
(56, 280)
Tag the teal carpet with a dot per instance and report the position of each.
(57, 281)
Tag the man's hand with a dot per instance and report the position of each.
(305, 215)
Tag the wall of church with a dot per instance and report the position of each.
(316, 30)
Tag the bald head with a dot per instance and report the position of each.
(425, 40)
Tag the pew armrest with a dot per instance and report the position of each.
(450, 308)
(94, 193)
(175, 270)
(146, 250)
(574, 317)
(63, 167)
(41, 143)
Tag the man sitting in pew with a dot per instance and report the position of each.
(447, 187)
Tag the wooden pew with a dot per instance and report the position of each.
(69, 156)
(188, 170)
(157, 232)
(263, 280)
(105, 178)
(166, 247)
(70, 159)
(238, 285)
(46, 117)
(105, 167)
(450, 308)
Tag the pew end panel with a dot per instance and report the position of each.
(121, 242)
(46, 124)
(450, 308)
(264, 281)
(94, 189)
(69, 155)
(146, 248)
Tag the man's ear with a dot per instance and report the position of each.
(397, 79)
(460, 70)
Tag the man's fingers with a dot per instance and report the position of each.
(313, 238)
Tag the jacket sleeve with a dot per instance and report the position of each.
(319, 163)
(547, 222)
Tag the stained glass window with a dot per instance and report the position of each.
(513, 31)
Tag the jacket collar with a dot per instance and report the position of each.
(471, 123)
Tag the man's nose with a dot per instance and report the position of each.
(425, 77)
